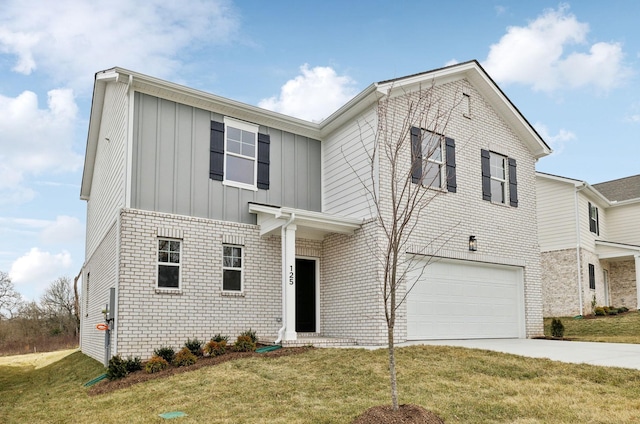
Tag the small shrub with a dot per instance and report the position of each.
(220, 338)
(251, 334)
(557, 328)
(184, 358)
(165, 352)
(623, 309)
(244, 344)
(195, 346)
(612, 311)
(214, 348)
(133, 364)
(117, 368)
(599, 310)
(155, 364)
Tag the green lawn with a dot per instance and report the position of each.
(623, 328)
(331, 386)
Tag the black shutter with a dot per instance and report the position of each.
(451, 164)
(263, 161)
(513, 183)
(216, 151)
(597, 222)
(486, 174)
(416, 155)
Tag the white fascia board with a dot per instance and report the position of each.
(575, 183)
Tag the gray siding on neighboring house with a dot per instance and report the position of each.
(108, 184)
(171, 166)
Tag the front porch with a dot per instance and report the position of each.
(621, 281)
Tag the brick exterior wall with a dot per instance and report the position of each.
(149, 317)
(351, 288)
(506, 235)
(622, 283)
(560, 283)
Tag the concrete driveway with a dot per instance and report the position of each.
(605, 354)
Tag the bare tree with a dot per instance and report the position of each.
(10, 299)
(58, 301)
(401, 172)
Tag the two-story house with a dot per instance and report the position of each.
(206, 215)
(590, 243)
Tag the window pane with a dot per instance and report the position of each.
(240, 170)
(163, 245)
(248, 150)
(432, 147)
(497, 191)
(248, 138)
(233, 134)
(234, 146)
(174, 246)
(163, 257)
(168, 276)
(231, 280)
(497, 166)
(174, 258)
(431, 175)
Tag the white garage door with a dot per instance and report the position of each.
(456, 299)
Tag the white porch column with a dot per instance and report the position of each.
(289, 242)
(637, 257)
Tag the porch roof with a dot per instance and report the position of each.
(310, 224)
(613, 250)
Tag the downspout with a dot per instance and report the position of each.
(579, 261)
(284, 277)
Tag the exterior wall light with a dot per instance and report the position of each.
(473, 243)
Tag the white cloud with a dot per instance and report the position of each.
(328, 90)
(64, 229)
(35, 270)
(72, 39)
(35, 141)
(536, 55)
(558, 141)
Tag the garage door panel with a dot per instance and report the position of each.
(463, 299)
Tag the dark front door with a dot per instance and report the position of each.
(305, 295)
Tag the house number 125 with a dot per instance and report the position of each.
(291, 275)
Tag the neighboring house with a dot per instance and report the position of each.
(206, 215)
(590, 243)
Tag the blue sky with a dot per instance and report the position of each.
(572, 69)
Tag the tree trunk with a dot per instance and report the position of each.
(76, 303)
(392, 370)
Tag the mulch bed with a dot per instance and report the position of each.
(107, 386)
(406, 414)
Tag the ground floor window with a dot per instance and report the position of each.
(169, 252)
(232, 268)
(592, 277)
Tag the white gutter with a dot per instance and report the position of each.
(580, 294)
(284, 277)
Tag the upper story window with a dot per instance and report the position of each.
(433, 160)
(239, 154)
(498, 177)
(169, 252)
(594, 223)
(499, 180)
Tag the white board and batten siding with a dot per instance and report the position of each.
(458, 299)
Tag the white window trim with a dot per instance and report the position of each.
(504, 181)
(158, 263)
(593, 217)
(245, 126)
(441, 163)
(224, 268)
